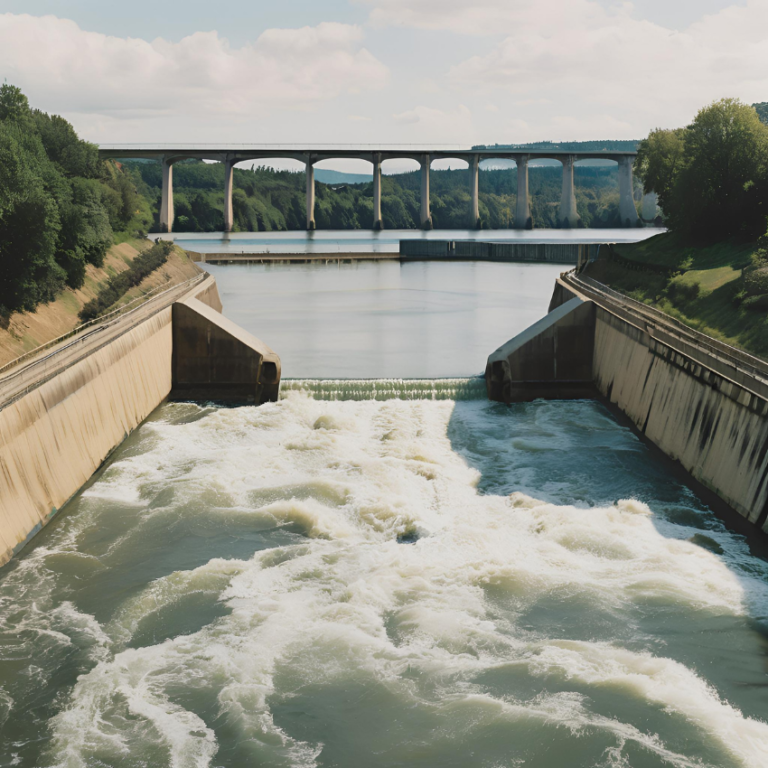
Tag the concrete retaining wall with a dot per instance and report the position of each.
(59, 424)
(550, 253)
(704, 404)
(717, 429)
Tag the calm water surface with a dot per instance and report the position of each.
(378, 572)
(388, 240)
(385, 319)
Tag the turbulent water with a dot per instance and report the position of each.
(415, 577)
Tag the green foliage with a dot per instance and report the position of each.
(680, 292)
(716, 271)
(658, 162)
(711, 177)
(59, 204)
(116, 287)
(762, 111)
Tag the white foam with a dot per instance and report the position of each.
(349, 600)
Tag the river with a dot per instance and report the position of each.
(383, 572)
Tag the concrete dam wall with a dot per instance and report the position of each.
(703, 403)
(61, 415)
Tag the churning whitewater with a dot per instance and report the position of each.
(384, 581)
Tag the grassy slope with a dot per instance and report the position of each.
(24, 331)
(716, 269)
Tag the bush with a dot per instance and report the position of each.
(144, 264)
(756, 302)
(756, 281)
(681, 293)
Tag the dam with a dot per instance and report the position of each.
(384, 566)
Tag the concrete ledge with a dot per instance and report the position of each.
(215, 359)
(551, 359)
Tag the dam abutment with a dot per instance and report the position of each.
(702, 403)
(64, 412)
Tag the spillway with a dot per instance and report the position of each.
(384, 572)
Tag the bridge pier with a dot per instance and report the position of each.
(569, 216)
(166, 201)
(523, 219)
(474, 188)
(229, 174)
(378, 224)
(310, 194)
(627, 210)
(426, 217)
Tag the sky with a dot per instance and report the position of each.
(439, 72)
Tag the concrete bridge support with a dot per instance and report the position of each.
(569, 216)
(627, 210)
(166, 202)
(523, 219)
(378, 224)
(474, 184)
(310, 194)
(229, 174)
(426, 217)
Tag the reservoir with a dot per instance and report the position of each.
(383, 568)
(388, 240)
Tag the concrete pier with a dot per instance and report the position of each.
(229, 174)
(474, 189)
(166, 201)
(568, 216)
(310, 193)
(523, 219)
(378, 224)
(551, 359)
(426, 217)
(214, 359)
(627, 210)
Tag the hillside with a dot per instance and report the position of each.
(21, 332)
(707, 292)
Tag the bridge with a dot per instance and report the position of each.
(230, 155)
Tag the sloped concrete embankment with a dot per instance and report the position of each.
(62, 414)
(703, 403)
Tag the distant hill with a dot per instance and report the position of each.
(573, 146)
(762, 111)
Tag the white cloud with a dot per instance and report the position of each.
(485, 17)
(427, 124)
(65, 68)
(616, 75)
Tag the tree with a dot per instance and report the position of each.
(722, 188)
(659, 160)
(711, 177)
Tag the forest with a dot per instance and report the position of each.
(268, 200)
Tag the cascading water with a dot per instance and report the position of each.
(379, 573)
